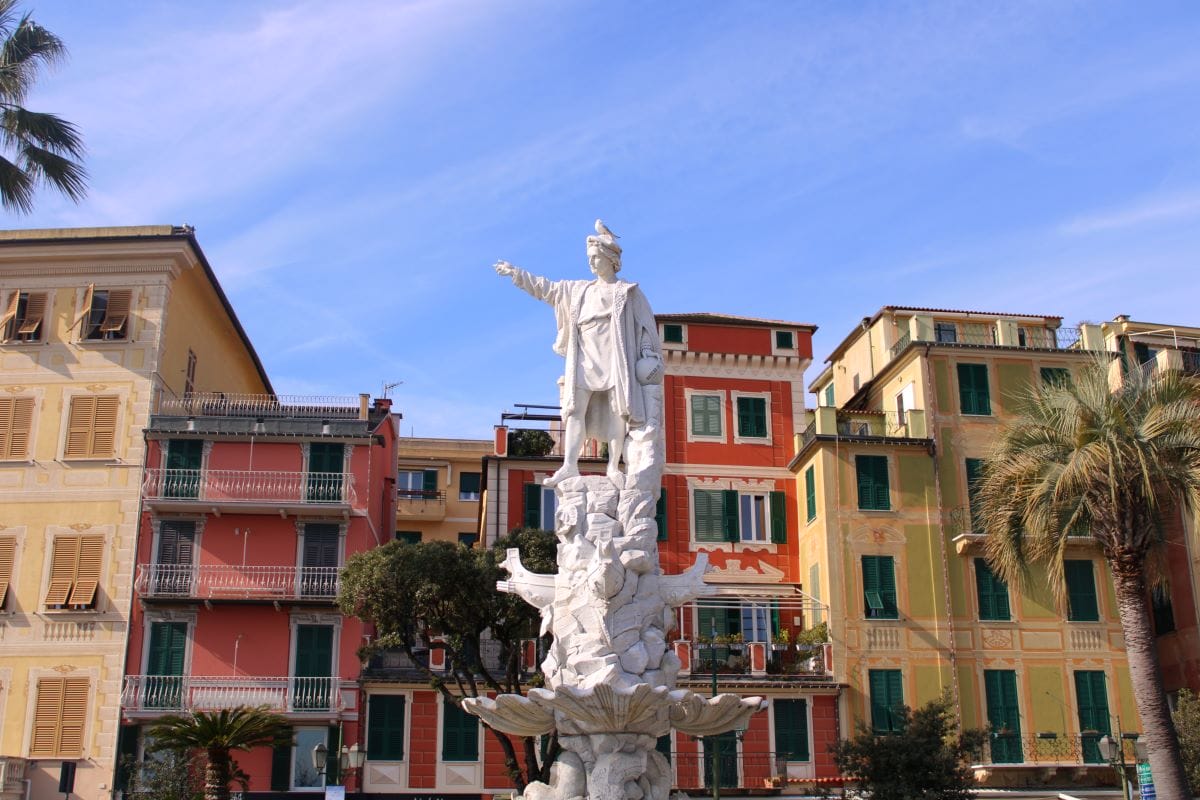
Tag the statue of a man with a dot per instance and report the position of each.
(609, 338)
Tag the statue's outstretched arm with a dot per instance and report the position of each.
(543, 289)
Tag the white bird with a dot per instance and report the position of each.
(603, 230)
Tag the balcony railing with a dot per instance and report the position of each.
(261, 406)
(1191, 362)
(743, 770)
(901, 343)
(236, 582)
(987, 335)
(12, 774)
(1046, 748)
(735, 658)
(249, 486)
(174, 693)
(879, 423)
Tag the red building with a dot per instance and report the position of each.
(734, 403)
(250, 505)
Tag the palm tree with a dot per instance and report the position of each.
(39, 148)
(218, 734)
(1081, 456)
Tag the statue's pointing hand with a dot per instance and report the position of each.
(504, 268)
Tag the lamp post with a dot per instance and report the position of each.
(1113, 751)
(716, 756)
(350, 759)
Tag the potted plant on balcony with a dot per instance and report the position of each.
(782, 640)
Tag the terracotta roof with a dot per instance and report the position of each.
(730, 319)
(962, 311)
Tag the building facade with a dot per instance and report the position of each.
(97, 325)
(438, 488)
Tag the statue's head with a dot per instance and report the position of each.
(604, 246)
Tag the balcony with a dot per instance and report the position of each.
(754, 660)
(263, 406)
(1000, 333)
(420, 504)
(168, 694)
(12, 775)
(249, 491)
(231, 583)
(1046, 749)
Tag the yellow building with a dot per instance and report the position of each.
(98, 326)
(908, 407)
(438, 489)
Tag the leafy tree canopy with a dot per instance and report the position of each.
(525, 442)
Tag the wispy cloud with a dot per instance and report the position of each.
(1144, 212)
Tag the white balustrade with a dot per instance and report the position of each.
(234, 581)
(249, 486)
(218, 404)
(170, 693)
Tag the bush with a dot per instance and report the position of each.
(926, 759)
(1187, 725)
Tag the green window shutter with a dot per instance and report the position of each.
(1081, 591)
(778, 517)
(791, 729)
(872, 476)
(673, 334)
(468, 483)
(872, 601)
(752, 417)
(533, 505)
(127, 751)
(973, 394)
(385, 727)
(992, 593)
(333, 766)
(1091, 697)
(1004, 715)
(784, 340)
(660, 514)
(408, 537)
(168, 645)
(879, 587)
(314, 651)
(460, 734)
(429, 481)
(663, 745)
(710, 520)
(887, 586)
(706, 415)
(281, 768)
(1060, 376)
(887, 694)
(729, 515)
(810, 493)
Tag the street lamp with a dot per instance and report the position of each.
(1113, 751)
(349, 760)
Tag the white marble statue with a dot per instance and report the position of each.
(610, 671)
(610, 387)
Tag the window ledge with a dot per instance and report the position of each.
(764, 440)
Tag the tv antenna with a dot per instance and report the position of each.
(387, 387)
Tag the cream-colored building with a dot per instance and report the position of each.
(96, 325)
(438, 489)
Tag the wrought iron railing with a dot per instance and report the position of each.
(170, 693)
(1046, 748)
(249, 486)
(901, 343)
(234, 582)
(738, 768)
(420, 494)
(1191, 362)
(986, 335)
(876, 423)
(734, 658)
(964, 519)
(218, 404)
(808, 434)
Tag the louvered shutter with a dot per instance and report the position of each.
(385, 727)
(778, 517)
(660, 514)
(79, 426)
(10, 311)
(8, 552)
(85, 308)
(533, 505)
(321, 545)
(429, 481)
(1081, 591)
(870, 572)
(104, 436)
(117, 312)
(281, 768)
(16, 418)
(44, 739)
(176, 542)
(35, 310)
(810, 493)
(74, 717)
(87, 572)
(887, 586)
(168, 647)
(729, 515)
(62, 570)
(791, 728)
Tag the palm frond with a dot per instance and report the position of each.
(24, 52)
(69, 177)
(19, 126)
(16, 187)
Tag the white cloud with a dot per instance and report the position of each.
(1144, 212)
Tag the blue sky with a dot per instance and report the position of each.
(354, 168)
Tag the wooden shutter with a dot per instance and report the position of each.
(35, 310)
(660, 514)
(429, 481)
(872, 478)
(59, 717)
(281, 768)
(709, 519)
(872, 603)
(460, 734)
(10, 312)
(810, 493)
(887, 586)
(62, 570)
(887, 693)
(729, 515)
(385, 727)
(176, 542)
(87, 572)
(117, 312)
(16, 419)
(79, 426)
(74, 717)
(992, 593)
(791, 729)
(973, 394)
(104, 433)
(314, 651)
(320, 545)
(533, 505)
(1003, 710)
(779, 517)
(706, 415)
(1081, 591)
(168, 646)
(8, 552)
(85, 308)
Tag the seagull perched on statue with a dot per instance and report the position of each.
(603, 230)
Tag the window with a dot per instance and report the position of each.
(468, 485)
(785, 340)
(104, 313)
(814, 591)
(879, 587)
(189, 378)
(752, 417)
(468, 539)
(319, 560)
(724, 515)
(660, 514)
(16, 420)
(973, 394)
(992, 593)
(1091, 698)
(673, 334)
(326, 465)
(900, 409)
(945, 332)
(460, 734)
(22, 319)
(810, 493)
(829, 395)
(8, 554)
(540, 505)
(887, 697)
(872, 478)
(706, 415)
(417, 483)
(185, 461)
(172, 572)
(1081, 591)
(1056, 376)
(791, 728)
(385, 727)
(59, 717)
(753, 621)
(75, 571)
(304, 774)
(312, 668)
(92, 427)
(1160, 605)
(1004, 715)
(165, 657)
(409, 537)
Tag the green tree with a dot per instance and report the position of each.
(39, 148)
(1082, 457)
(217, 735)
(526, 442)
(927, 758)
(442, 596)
(164, 774)
(1187, 724)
